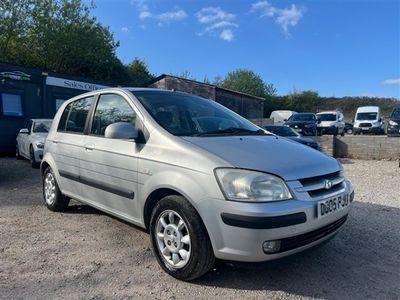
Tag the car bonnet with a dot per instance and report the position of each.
(269, 154)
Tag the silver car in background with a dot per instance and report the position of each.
(30, 140)
(204, 181)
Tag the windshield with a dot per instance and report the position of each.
(396, 114)
(42, 126)
(302, 117)
(187, 115)
(282, 131)
(327, 117)
(366, 116)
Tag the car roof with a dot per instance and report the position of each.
(368, 109)
(328, 112)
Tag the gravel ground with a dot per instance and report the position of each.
(84, 253)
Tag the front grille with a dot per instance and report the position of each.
(312, 180)
(365, 125)
(309, 237)
(316, 186)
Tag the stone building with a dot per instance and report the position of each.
(248, 106)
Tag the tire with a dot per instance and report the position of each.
(186, 260)
(336, 132)
(53, 198)
(32, 160)
(17, 154)
(342, 134)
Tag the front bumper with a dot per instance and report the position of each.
(305, 130)
(393, 130)
(238, 230)
(327, 130)
(375, 130)
(38, 154)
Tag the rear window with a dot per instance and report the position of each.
(74, 116)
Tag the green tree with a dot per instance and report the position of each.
(247, 81)
(139, 73)
(59, 36)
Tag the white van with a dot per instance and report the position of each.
(368, 119)
(331, 122)
(280, 116)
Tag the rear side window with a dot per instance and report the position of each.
(110, 109)
(74, 116)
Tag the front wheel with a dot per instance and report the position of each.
(32, 160)
(17, 154)
(54, 199)
(179, 239)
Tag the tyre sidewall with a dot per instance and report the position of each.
(60, 201)
(198, 236)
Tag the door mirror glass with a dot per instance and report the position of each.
(24, 131)
(121, 130)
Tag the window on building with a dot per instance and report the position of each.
(110, 109)
(11, 105)
(59, 102)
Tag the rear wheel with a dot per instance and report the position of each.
(54, 199)
(32, 160)
(179, 239)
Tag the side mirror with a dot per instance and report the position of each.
(380, 120)
(318, 121)
(121, 130)
(24, 131)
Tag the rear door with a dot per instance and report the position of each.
(109, 166)
(67, 144)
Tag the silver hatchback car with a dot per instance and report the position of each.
(204, 181)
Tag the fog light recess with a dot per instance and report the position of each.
(352, 196)
(270, 247)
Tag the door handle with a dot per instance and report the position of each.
(55, 141)
(89, 147)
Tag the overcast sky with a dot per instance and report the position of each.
(337, 48)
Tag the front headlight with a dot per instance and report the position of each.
(309, 125)
(393, 123)
(40, 145)
(251, 186)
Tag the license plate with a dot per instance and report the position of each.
(364, 128)
(298, 129)
(332, 205)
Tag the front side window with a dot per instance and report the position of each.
(186, 115)
(111, 108)
(11, 105)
